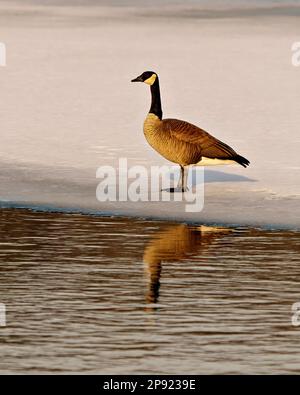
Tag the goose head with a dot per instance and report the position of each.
(148, 77)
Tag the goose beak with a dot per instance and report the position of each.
(137, 79)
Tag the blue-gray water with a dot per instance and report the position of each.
(101, 295)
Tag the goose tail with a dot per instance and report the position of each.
(241, 160)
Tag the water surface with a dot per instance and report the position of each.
(102, 295)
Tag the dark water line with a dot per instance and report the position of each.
(115, 214)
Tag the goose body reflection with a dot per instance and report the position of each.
(175, 244)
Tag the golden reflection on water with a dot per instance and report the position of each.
(80, 290)
(174, 244)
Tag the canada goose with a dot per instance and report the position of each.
(179, 141)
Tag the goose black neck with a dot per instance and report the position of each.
(156, 102)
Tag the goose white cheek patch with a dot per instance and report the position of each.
(151, 80)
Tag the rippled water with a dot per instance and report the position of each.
(102, 295)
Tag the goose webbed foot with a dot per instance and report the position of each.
(170, 190)
(177, 189)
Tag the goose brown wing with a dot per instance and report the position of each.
(186, 132)
(208, 145)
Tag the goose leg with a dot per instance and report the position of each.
(183, 179)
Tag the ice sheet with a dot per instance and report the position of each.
(68, 107)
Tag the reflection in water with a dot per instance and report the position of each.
(74, 290)
(174, 244)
